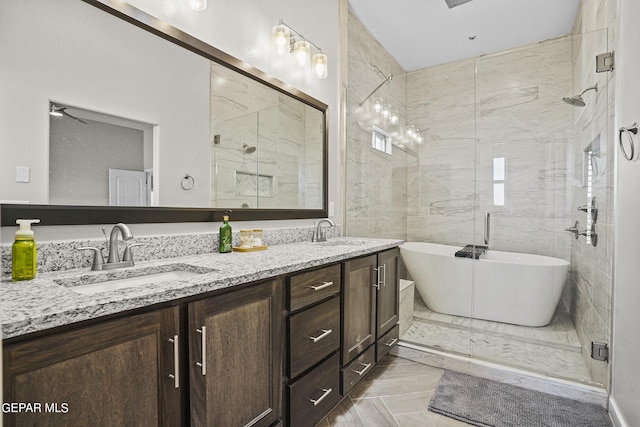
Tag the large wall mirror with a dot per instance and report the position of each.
(118, 117)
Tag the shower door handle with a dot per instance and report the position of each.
(487, 227)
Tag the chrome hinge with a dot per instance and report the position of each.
(604, 62)
(600, 351)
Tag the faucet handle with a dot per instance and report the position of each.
(128, 255)
(98, 259)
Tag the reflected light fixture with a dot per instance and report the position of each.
(377, 105)
(286, 39)
(394, 118)
(198, 5)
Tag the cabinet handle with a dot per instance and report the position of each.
(203, 364)
(363, 370)
(325, 332)
(377, 284)
(384, 274)
(327, 392)
(324, 285)
(176, 362)
(391, 343)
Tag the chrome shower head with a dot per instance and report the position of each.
(577, 100)
(248, 149)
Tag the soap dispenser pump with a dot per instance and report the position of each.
(225, 234)
(23, 252)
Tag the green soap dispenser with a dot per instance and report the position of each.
(225, 234)
(23, 252)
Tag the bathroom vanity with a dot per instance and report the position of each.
(263, 338)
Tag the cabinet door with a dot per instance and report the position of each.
(359, 307)
(111, 373)
(388, 291)
(235, 357)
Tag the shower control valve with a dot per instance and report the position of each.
(574, 230)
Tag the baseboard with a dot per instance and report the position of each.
(533, 381)
(615, 415)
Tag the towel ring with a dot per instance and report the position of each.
(633, 129)
(187, 182)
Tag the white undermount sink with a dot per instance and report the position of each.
(93, 284)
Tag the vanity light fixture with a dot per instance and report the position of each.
(198, 5)
(286, 39)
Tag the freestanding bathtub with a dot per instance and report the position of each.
(501, 286)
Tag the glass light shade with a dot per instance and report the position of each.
(302, 51)
(411, 131)
(319, 65)
(419, 140)
(281, 36)
(198, 5)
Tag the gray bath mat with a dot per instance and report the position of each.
(486, 403)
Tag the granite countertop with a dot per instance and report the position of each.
(42, 303)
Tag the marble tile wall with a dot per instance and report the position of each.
(591, 274)
(376, 182)
(505, 105)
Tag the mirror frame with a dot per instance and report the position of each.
(83, 215)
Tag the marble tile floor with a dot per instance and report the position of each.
(396, 393)
(550, 350)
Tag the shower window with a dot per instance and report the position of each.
(498, 181)
(380, 140)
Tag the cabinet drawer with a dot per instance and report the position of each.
(358, 369)
(307, 288)
(388, 340)
(313, 335)
(313, 396)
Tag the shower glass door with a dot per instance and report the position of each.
(537, 160)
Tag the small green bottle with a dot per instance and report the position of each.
(225, 234)
(23, 252)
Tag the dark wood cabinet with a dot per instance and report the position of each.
(235, 363)
(118, 372)
(371, 294)
(388, 301)
(217, 360)
(359, 306)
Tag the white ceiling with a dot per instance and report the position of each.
(423, 33)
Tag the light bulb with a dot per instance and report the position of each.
(302, 51)
(419, 140)
(280, 36)
(319, 65)
(198, 5)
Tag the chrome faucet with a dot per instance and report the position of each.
(113, 258)
(318, 235)
(123, 229)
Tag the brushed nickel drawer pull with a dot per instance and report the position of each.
(391, 343)
(325, 332)
(327, 392)
(384, 274)
(176, 362)
(319, 287)
(363, 370)
(203, 364)
(378, 281)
